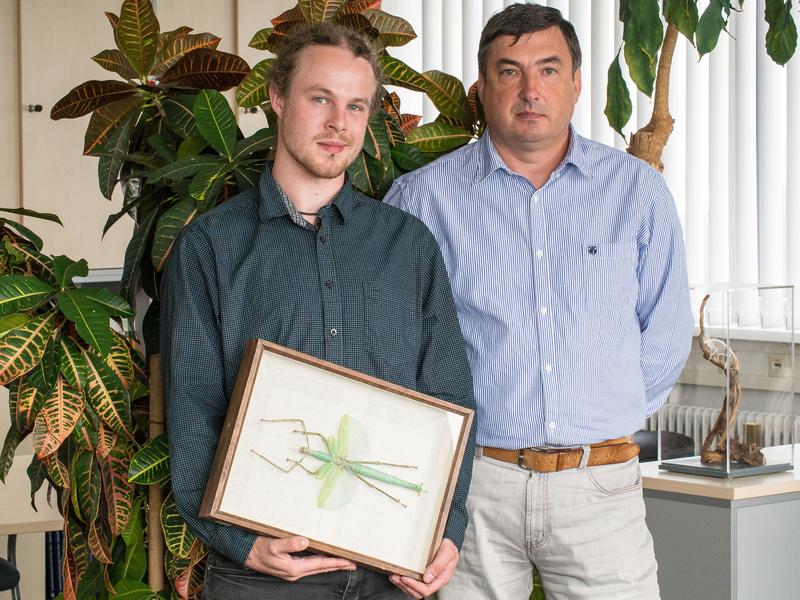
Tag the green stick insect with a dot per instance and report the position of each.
(340, 473)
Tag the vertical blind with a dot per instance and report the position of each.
(733, 160)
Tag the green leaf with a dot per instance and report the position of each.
(134, 532)
(22, 348)
(397, 72)
(107, 118)
(133, 256)
(86, 432)
(191, 146)
(207, 184)
(247, 177)
(408, 157)
(215, 121)
(88, 96)
(27, 234)
(447, 94)
(317, 11)
(260, 41)
(43, 375)
(187, 167)
(11, 322)
(392, 30)
(179, 115)
(113, 157)
(683, 14)
(137, 34)
(117, 490)
(91, 320)
(85, 493)
(176, 534)
(128, 589)
(116, 62)
(709, 27)
(438, 137)
(13, 439)
(121, 361)
(151, 463)
(261, 141)
(29, 405)
(254, 88)
(66, 269)
(132, 565)
(376, 138)
(207, 69)
(26, 212)
(366, 174)
(782, 32)
(643, 34)
(63, 409)
(618, 101)
(22, 292)
(37, 475)
(110, 302)
(107, 395)
(169, 225)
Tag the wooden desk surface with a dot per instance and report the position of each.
(738, 488)
(16, 513)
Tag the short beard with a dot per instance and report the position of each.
(318, 167)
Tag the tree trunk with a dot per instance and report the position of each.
(648, 143)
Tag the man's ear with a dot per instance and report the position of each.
(276, 101)
(481, 84)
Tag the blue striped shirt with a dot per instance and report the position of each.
(572, 298)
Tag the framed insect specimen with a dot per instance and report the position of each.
(365, 469)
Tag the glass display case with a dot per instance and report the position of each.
(736, 398)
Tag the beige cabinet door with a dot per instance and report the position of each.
(57, 41)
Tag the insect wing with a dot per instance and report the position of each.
(324, 471)
(339, 488)
(357, 446)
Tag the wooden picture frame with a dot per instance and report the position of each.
(280, 400)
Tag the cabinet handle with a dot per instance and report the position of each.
(34, 108)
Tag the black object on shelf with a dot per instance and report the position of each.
(9, 576)
(673, 445)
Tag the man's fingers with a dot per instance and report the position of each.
(442, 562)
(400, 583)
(288, 545)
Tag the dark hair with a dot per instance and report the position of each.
(518, 19)
(324, 34)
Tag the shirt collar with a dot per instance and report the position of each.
(272, 206)
(490, 159)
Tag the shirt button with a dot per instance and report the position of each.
(322, 239)
(539, 254)
(333, 332)
(536, 198)
(548, 368)
(543, 310)
(329, 284)
(552, 426)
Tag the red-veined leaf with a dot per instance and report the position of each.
(106, 118)
(107, 396)
(22, 348)
(118, 491)
(207, 69)
(178, 47)
(90, 95)
(137, 34)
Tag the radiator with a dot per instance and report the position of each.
(696, 421)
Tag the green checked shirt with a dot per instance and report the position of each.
(367, 290)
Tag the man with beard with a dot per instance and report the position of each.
(307, 262)
(568, 270)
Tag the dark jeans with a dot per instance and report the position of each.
(227, 580)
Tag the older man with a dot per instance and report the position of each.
(568, 270)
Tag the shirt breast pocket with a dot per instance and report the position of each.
(390, 325)
(609, 276)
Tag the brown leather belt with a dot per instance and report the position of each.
(548, 460)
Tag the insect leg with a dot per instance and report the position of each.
(382, 491)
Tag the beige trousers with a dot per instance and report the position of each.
(583, 528)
